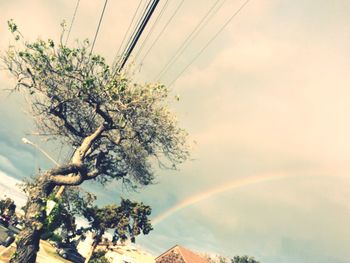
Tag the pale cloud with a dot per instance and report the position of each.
(271, 93)
(9, 187)
(6, 164)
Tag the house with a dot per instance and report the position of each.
(178, 254)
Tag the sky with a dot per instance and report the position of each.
(267, 109)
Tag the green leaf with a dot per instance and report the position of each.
(12, 26)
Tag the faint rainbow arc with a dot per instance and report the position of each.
(234, 184)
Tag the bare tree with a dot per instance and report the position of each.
(118, 128)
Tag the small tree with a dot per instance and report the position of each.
(118, 128)
(72, 204)
(99, 257)
(236, 259)
(127, 220)
(244, 259)
(7, 207)
(8, 211)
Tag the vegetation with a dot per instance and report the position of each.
(244, 259)
(8, 207)
(73, 203)
(127, 220)
(119, 129)
(99, 257)
(235, 259)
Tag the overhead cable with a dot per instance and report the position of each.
(152, 28)
(62, 187)
(206, 18)
(137, 35)
(127, 32)
(210, 41)
(98, 27)
(161, 32)
(72, 21)
(132, 36)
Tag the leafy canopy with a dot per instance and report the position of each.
(127, 220)
(244, 259)
(74, 92)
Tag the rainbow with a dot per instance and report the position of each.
(234, 184)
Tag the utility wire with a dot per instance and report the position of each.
(62, 187)
(127, 32)
(210, 41)
(98, 27)
(161, 32)
(138, 34)
(72, 21)
(68, 34)
(190, 37)
(132, 36)
(152, 28)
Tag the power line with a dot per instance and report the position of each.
(127, 32)
(190, 37)
(161, 32)
(62, 187)
(72, 21)
(152, 28)
(68, 34)
(138, 34)
(132, 36)
(210, 40)
(98, 27)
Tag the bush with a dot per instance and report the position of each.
(99, 257)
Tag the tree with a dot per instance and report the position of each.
(118, 128)
(236, 259)
(244, 259)
(7, 207)
(216, 259)
(127, 220)
(99, 257)
(8, 211)
(73, 203)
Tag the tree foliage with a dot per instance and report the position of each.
(99, 257)
(244, 259)
(74, 93)
(235, 259)
(127, 220)
(71, 205)
(7, 207)
(119, 129)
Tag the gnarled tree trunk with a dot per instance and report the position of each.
(27, 246)
(73, 173)
(29, 238)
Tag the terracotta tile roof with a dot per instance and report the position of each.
(178, 254)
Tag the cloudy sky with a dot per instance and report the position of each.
(267, 103)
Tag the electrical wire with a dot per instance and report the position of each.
(92, 47)
(161, 32)
(206, 18)
(98, 27)
(152, 28)
(146, 7)
(127, 32)
(72, 21)
(68, 35)
(210, 41)
(135, 39)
